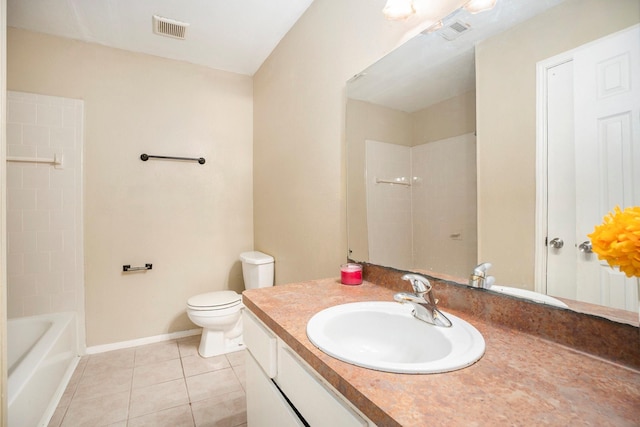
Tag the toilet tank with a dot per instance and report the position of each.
(257, 269)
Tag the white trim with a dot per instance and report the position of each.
(142, 341)
(3, 214)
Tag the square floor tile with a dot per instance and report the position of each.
(229, 410)
(104, 362)
(188, 346)
(100, 411)
(109, 382)
(212, 384)
(157, 352)
(195, 365)
(237, 357)
(155, 373)
(154, 398)
(179, 416)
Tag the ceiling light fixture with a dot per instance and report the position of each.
(477, 6)
(435, 27)
(397, 10)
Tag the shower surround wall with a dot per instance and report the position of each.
(44, 206)
(389, 216)
(432, 222)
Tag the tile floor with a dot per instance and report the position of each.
(163, 384)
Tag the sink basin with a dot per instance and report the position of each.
(385, 336)
(530, 295)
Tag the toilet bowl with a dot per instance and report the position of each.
(219, 313)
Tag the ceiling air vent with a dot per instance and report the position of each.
(169, 27)
(454, 30)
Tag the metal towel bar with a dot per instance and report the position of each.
(129, 268)
(56, 161)
(393, 181)
(145, 157)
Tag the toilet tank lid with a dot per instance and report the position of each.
(255, 257)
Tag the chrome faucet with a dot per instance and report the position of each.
(479, 278)
(423, 301)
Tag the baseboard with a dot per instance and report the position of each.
(141, 341)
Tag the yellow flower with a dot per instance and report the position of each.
(617, 240)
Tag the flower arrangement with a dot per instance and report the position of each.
(617, 240)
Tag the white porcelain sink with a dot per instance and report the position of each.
(386, 337)
(530, 295)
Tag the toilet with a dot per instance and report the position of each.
(219, 313)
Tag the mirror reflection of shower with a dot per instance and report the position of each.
(421, 204)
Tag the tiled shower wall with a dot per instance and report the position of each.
(44, 205)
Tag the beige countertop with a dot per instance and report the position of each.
(522, 379)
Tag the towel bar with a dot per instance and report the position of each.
(145, 157)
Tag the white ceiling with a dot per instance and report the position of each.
(230, 35)
(429, 69)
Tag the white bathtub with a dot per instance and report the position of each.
(42, 352)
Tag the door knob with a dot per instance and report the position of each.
(585, 247)
(556, 243)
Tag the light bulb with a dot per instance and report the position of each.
(396, 10)
(477, 6)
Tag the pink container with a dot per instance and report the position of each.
(351, 274)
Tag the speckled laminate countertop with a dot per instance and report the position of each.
(522, 379)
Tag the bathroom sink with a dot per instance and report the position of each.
(385, 336)
(530, 295)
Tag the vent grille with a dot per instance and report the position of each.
(453, 31)
(169, 27)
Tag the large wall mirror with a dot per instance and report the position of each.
(467, 144)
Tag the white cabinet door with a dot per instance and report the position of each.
(316, 402)
(260, 341)
(266, 407)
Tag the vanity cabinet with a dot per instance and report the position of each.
(282, 390)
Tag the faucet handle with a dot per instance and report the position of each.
(479, 278)
(481, 269)
(419, 283)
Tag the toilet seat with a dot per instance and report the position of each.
(219, 300)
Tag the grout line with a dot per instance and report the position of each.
(133, 372)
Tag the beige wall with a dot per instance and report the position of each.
(299, 150)
(506, 85)
(190, 221)
(452, 117)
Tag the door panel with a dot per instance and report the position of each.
(607, 110)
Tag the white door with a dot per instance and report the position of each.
(606, 170)
(607, 136)
(561, 178)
